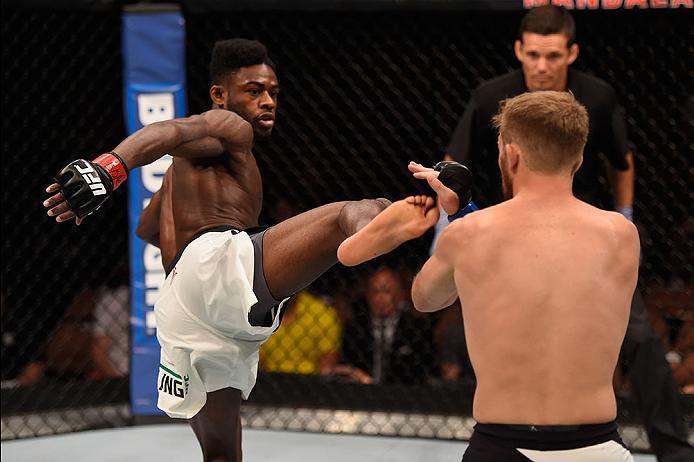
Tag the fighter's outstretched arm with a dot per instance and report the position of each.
(205, 135)
(82, 186)
(434, 286)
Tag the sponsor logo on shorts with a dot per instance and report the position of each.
(172, 383)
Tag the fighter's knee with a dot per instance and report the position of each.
(372, 206)
(355, 214)
(383, 202)
(364, 209)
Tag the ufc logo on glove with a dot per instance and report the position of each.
(92, 178)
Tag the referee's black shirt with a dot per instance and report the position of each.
(474, 140)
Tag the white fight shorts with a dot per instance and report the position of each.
(202, 317)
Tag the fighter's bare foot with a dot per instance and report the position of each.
(401, 221)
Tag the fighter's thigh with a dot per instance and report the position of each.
(218, 425)
(298, 250)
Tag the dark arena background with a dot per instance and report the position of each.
(365, 88)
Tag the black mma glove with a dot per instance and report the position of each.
(457, 177)
(87, 185)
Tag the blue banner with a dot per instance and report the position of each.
(154, 90)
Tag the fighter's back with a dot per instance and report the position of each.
(199, 194)
(545, 312)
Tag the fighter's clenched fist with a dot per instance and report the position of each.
(83, 186)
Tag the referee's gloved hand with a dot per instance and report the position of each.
(82, 186)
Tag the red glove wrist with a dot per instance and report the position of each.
(114, 166)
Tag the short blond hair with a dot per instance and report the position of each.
(550, 127)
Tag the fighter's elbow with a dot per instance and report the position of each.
(244, 135)
(423, 307)
(419, 300)
(148, 235)
(428, 301)
(416, 295)
(140, 232)
(229, 126)
(419, 306)
(152, 240)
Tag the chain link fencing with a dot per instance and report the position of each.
(362, 95)
(65, 313)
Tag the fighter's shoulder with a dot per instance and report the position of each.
(625, 230)
(625, 243)
(471, 225)
(617, 226)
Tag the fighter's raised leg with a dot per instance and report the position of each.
(298, 250)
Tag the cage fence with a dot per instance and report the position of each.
(363, 93)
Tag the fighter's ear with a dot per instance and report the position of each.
(577, 165)
(573, 53)
(218, 95)
(518, 49)
(513, 156)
